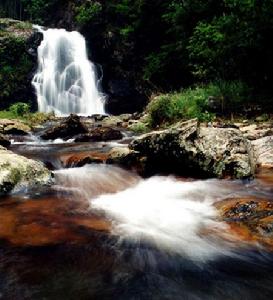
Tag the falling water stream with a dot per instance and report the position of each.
(66, 80)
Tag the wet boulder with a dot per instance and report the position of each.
(84, 158)
(66, 129)
(4, 141)
(250, 219)
(188, 149)
(100, 134)
(14, 127)
(126, 158)
(18, 172)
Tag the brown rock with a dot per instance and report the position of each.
(84, 158)
(66, 129)
(13, 127)
(4, 141)
(249, 218)
(100, 134)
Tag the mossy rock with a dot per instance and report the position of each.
(19, 173)
(16, 62)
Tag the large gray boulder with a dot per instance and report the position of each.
(200, 151)
(18, 172)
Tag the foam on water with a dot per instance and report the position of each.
(92, 180)
(168, 214)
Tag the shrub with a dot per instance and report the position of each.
(20, 109)
(87, 12)
(169, 108)
(195, 102)
(5, 114)
(39, 118)
(234, 93)
(139, 128)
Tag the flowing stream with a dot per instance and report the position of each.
(66, 80)
(102, 232)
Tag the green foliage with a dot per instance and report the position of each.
(23, 25)
(139, 127)
(20, 109)
(190, 103)
(165, 45)
(31, 119)
(194, 102)
(88, 12)
(235, 43)
(235, 93)
(39, 10)
(16, 111)
(37, 118)
(6, 114)
(15, 65)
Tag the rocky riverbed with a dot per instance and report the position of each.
(194, 196)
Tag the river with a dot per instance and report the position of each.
(102, 232)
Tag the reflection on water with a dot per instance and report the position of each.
(103, 233)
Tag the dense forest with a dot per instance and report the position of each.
(164, 46)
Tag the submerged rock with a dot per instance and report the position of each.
(4, 141)
(100, 134)
(66, 129)
(208, 152)
(81, 159)
(18, 172)
(250, 218)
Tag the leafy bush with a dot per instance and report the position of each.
(39, 10)
(39, 118)
(15, 65)
(234, 93)
(87, 12)
(169, 108)
(20, 109)
(139, 127)
(6, 114)
(195, 102)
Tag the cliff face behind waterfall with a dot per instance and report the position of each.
(18, 60)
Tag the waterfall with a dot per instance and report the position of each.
(66, 80)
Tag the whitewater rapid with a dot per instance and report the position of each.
(175, 217)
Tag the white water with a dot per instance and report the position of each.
(93, 180)
(66, 80)
(170, 215)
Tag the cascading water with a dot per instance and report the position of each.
(66, 80)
